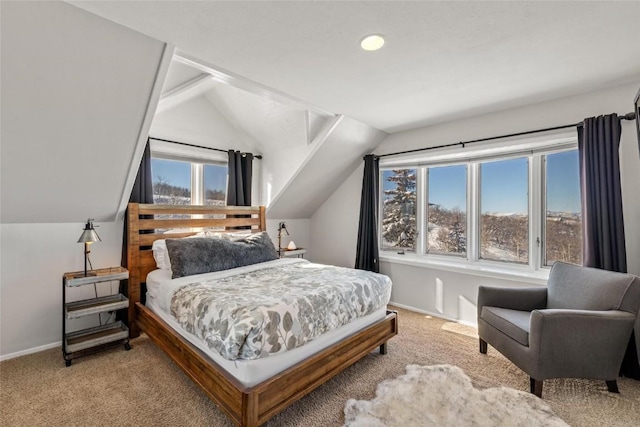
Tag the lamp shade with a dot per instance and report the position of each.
(89, 234)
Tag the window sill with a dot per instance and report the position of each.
(523, 274)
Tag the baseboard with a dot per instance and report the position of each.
(438, 315)
(4, 357)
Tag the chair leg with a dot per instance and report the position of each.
(612, 386)
(535, 387)
(483, 346)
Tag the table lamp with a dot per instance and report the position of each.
(282, 230)
(87, 237)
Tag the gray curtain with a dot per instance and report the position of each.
(367, 256)
(602, 220)
(240, 175)
(142, 193)
(603, 243)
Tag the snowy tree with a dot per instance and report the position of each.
(399, 211)
(453, 237)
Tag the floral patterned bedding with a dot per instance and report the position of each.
(267, 309)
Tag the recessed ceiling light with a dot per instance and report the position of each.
(372, 42)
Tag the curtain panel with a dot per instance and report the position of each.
(367, 255)
(240, 175)
(142, 192)
(603, 240)
(602, 218)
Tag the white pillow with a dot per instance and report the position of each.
(161, 254)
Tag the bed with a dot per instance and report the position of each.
(251, 401)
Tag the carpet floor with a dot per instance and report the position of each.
(143, 387)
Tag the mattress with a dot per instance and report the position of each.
(248, 372)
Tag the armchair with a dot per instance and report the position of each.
(578, 326)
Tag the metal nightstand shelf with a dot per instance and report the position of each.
(91, 340)
(290, 253)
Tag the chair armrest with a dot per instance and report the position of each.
(523, 299)
(576, 335)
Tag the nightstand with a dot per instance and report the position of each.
(91, 340)
(290, 253)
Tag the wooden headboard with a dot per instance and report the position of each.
(147, 223)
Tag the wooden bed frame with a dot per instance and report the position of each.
(246, 406)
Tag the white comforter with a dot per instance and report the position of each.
(267, 308)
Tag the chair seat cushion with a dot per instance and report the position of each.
(513, 323)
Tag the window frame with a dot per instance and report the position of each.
(425, 238)
(198, 158)
(530, 192)
(534, 149)
(543, 211)
(418, 211)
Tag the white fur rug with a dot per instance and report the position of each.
(443, 395)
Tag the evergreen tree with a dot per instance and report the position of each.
(453, 238)
(399, 222)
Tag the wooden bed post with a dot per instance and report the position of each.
(249, 409)
(133, 262)
(263, 219)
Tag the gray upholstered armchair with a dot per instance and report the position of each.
(576, 327)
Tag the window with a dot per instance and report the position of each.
(171, 182)
(504, 210)
(511, 210)
(215, 184)
(447, 210)
(399, 228)
(563, 222)
(182, 182)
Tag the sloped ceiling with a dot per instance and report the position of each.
(271, 124)
(75, 91)
(216, 114)
(336, 156)
(441, 61)
(178, 75)
(198, 121)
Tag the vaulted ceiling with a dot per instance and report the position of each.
(441, 60)
(307, 152)
(78, 91)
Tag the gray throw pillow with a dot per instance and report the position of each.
(204, 255)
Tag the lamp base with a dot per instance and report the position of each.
(80, 275)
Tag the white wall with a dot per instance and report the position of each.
(34, 257)
(198, 122)
(280, 162)
(75, 92)
(334, 225)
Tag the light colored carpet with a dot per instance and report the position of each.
(442, 395)
(142, 387)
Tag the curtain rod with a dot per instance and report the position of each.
(628, 116)
(258, 156)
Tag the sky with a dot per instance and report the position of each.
(448, 187)
(179, 174)
(504, 185)
(563, 182)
